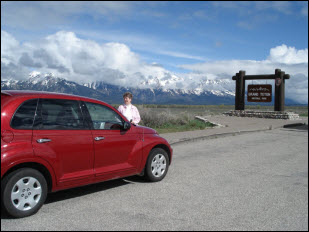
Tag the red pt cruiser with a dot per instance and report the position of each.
(51, 142)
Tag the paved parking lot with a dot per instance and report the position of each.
(256, 181)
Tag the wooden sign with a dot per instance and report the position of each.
(259, 93)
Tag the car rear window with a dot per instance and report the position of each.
(24, 115)
(59, 114)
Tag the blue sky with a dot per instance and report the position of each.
(185, 39)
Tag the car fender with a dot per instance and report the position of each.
(151, 141)
(23, 158)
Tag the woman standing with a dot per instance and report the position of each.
(129, 110)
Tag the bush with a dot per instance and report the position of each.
(164, 121)
(154, 119)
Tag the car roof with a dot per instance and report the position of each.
(20, 93)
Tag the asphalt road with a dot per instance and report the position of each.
(256, 181)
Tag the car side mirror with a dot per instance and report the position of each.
(126, 125)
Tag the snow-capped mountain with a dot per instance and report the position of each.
(215, 87)
(48, 82)
(145, 93)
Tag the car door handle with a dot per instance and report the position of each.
(99, 138)
(43, 140)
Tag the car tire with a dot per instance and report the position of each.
(23, 192)
(157, 165)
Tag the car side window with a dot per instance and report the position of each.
(59, 114)
(24, 115)
(104, 118)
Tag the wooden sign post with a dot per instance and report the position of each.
(279, 78)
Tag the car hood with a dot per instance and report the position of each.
(145, 130)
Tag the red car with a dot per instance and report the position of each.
(52, 141)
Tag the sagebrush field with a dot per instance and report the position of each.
(173, 118)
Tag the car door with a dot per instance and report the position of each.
(61, 136)
(117, 152)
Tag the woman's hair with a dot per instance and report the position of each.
(128, 94)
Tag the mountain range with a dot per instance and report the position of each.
(112, 94)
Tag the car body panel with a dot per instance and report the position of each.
(65, 148)
(118, 151)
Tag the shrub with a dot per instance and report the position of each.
(164, 121)
(154, 119)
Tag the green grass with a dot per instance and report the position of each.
(189, 126)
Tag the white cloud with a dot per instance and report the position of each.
(304, 11)
(288, 55)
(8, 45)
(280, 6)
(288, 59)
(72, 58)
(297, 88)
(179, 55)
(146, 43)
(59, 13)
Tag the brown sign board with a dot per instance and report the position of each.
(259, 93)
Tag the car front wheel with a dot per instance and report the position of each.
(157, 165)
(23, 192)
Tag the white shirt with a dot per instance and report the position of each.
(136, 118)
(128, 112)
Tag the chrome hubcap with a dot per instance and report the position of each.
(26, 193)
(158, 165)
